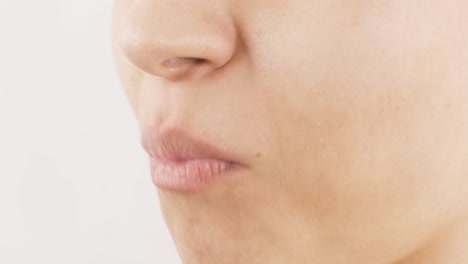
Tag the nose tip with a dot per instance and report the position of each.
(173, 41)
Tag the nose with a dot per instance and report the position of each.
(175, 39)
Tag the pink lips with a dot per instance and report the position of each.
(181, 163)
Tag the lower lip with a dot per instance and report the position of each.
(191, 175)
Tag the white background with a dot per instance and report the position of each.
(74, 182)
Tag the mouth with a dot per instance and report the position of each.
(179, 162)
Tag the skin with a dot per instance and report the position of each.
(350, 116)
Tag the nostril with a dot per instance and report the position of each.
(176, 67)
(177, 62)
(199, 60)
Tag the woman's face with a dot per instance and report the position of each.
(350, 116)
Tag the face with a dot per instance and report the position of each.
(351, 119)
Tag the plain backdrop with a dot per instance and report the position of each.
(74, 181)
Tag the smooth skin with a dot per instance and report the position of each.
(350, 116)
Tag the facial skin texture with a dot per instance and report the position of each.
(351, 116)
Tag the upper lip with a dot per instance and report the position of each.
(177, 145)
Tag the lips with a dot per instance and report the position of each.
(182, 163)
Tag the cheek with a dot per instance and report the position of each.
(377, 82)
(368, 123)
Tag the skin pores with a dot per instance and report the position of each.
(351, 118)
